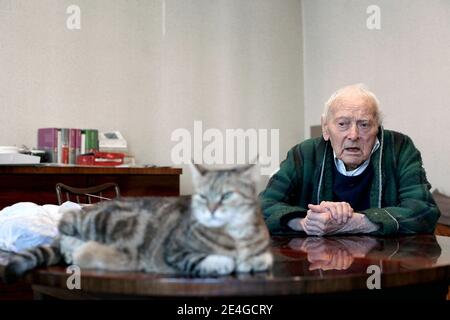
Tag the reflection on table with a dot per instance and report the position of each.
(340, 253)
(303, 267)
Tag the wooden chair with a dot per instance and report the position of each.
(89, 195)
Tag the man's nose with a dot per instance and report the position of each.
(353, 132)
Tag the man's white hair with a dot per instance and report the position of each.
(361, 90)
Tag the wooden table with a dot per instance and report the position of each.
(36, 183)
(305, 268)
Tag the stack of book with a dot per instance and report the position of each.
(84, 147)
(64, 145)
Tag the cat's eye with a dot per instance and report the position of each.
(227, 195)
(202, 196)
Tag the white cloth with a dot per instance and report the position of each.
(340, 165)
(25, 224)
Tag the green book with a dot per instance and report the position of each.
(91, 140)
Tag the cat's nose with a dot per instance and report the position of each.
(212, 207)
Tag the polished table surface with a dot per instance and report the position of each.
(303, 266)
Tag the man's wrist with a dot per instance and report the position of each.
(295, 224)
(358, 223)
(368, 226)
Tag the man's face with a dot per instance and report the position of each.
(351, 128)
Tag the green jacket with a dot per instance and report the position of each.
(400, 200)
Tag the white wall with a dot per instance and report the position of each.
(229, 63)
(406, 63)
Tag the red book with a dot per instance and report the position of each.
(109, 155)
(65, 154)
(85, 160)
(101, 162)
(65, 145)
(101, 159)
(108, 158)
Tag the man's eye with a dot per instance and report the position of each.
(364, 125)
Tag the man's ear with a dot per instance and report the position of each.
(325, 133)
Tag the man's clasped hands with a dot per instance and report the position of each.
(329, 218)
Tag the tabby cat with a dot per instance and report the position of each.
(217, 231)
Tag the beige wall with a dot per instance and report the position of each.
(406, 63)
(229, 63)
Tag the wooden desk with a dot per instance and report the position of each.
(305, 268)
(36, 183)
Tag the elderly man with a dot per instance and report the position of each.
(356, 178)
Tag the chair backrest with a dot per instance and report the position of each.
(89, 195)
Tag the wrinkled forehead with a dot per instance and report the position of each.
(353, 105)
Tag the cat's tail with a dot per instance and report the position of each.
(25, 261)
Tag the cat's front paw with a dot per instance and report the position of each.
(263, 262)
(216, 265)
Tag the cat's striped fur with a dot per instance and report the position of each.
(217, 231)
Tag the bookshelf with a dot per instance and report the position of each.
(36, 183)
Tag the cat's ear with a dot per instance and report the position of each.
(255, 161)
(197, 170)
(249, 171)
